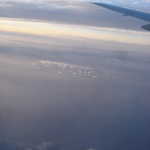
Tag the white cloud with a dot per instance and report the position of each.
(44, 146)
(65, 68)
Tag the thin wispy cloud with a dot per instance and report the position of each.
(74, 31)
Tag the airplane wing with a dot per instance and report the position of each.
(125, 11)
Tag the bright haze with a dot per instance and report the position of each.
(74, 74)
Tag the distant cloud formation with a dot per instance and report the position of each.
(45, 145)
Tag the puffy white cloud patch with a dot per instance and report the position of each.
(45, 145)
(61, 69)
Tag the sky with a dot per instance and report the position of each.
(127, 3)
(74, 76)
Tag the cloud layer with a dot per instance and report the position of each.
(143, 4)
